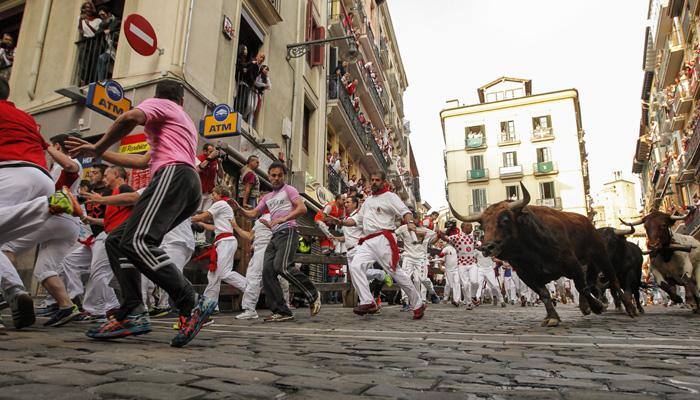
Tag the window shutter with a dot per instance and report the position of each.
(319, 51)
(309, 19)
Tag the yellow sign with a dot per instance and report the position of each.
(107, 99)
(133, 144)
(223, 122)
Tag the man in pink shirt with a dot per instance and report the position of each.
(172, 196)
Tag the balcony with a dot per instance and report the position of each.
(269, 10)
(541, 134)
(691, 157)
(476, 142)
(545, 168)
(671, 59)
(677, 122)
(336, 183)
(395, 91)
(384, 53)
(682, 99)
(508, 138)
(477, 175)
(374, 93)
(692, 223)
(515, 171)
(554, 203)
(95, 59)
(477, 208)
(374, 108)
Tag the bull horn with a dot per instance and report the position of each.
(634, 222)
(679, 247)
(679, 217)
(517, 206)
(624, 232)
(473, 218)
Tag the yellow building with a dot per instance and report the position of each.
(515, 136)
(616, 200)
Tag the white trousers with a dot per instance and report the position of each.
(378, 250)
(23, 209)
(511, 288)
(225, 250)
(469, 280)
(74, 266)
(254, 278)
(99, 296)
(454, 283)
(486, 276)
(179, 255)
(418, 273)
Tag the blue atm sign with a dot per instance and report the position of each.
(221, 123)
(107, 99)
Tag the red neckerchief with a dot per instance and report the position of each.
(381, 191)
(211, 253)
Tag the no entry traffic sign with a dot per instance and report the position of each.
(140, 35)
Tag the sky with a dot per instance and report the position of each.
(452, 47)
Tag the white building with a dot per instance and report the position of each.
(515, 136)
(616, 200)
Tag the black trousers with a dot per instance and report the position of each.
(133, 248)
(279, 260)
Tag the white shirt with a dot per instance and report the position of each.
(415, 252)
(378, 213)
(484, 262)
(450, 255)
(222, 214)
(263, 234)
(181, 235)
(352, 234)
(56, 170)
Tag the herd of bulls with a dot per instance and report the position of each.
(543, 244)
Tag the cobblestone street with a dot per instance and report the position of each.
(451, 354)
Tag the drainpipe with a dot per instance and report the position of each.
(187, 41)
(39, 49)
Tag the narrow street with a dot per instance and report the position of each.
(452, 354)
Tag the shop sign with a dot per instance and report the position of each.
(107, 99)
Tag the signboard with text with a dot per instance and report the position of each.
(221, 123)
(136, 144)
(107, 99)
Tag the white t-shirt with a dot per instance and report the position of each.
(450, 255)
(484, 262)
(181, 235)
(222, 214)
(263, 234)
(415, 252)
(57, 169)
(378, 213)
(352, 234)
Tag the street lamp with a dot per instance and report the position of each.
(296, 50)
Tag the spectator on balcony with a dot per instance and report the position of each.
(250, 101)
(352, 87)
(89, 50)
(89, 24)
(341, 69)
(109, 29)
(336, 162)
(262, 83)
(249, 183)
(345, 79)
(352, 181)
(242, 62)
(7, 55)
(208, 168)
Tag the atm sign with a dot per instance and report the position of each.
(107, 99)
(223, 122)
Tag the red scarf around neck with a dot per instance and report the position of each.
(381, 191)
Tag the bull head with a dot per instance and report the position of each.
(515, 206)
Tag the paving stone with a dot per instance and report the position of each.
(10, 367)
(597, 375)
(93, 368)
(405, 394)
(324, 395)
(283, 370)
(577, 394)
(307, 382)
(239, 376)
(152, 375)
(250, 391)
(643, 386)
(558, 382)
(146, 390)
(7, 380)
(67, 377)
(376, 379)
(39, 391)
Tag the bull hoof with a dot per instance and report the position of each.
(676, 299)
(640, 309)
(596, 306)
(585, 310)
(550, 322)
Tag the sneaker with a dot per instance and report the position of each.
(278, 318)
(378, 300)
(476, 302)
(364, 309)
(419, 312)
(405, 307)
(435, 299)
(22, 307)
(158, 312)
(180, 321)
(63, 202)
(132, 325)
(503, 304)
(315, 306)
(190, 328)
(454, 303)
(63, 316)
(387, 280)
(2, 327)
(89, 318)
(247, 314)
(470, 306)
(47, 311)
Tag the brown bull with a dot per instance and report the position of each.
(542, 245)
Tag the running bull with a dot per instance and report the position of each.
(675, 258)
(542, 245)
(626, 258)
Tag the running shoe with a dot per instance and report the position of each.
(180, 321)
(158, 312)
(63, 202)
(364, 309)
(2, 327)
(22, 307)
(503, 304)
(470, 306)
(132, 325)
(47, 311)
(434, 298)
(378, 300)
(387, 280)
(192, 325)
(419, 312)
(315, 306)
(63, 316)
(278, 318)
(247, 314)
(87, 317)
(405, 307)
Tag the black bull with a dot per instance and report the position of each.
(542, 245)
(626, 257)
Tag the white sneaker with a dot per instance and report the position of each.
(247, 314)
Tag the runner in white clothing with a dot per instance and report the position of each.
(449, 256)
(487, 276)
(415, 258)
(464, 242)
(377, 216)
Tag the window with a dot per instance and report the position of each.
(250, 41)
(544, 154)
(306, 129)
(542, 123)
(510, 159)
(10, 20)
(314, 32)
(508, 131)
(97, 50)
(513, 192)
(479, 199)
(547, 190)
(477, 162)
(475, 136)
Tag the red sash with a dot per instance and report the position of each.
(210, 252)
(88, 242)
(389, 235)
